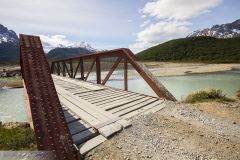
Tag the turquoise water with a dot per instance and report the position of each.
(12, 105)
(12, 101)
(181, 86)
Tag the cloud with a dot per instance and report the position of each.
(158, 33)
(50, 42)
(145, 23)
(179, 9)
(55, 40)
(168, 19)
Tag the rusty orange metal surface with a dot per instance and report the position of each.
(50, 127)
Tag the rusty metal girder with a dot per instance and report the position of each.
(50, 127)
(129, 58)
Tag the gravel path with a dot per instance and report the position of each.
(179, 131)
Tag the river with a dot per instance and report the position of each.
(12, 101)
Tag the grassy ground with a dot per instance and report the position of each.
(19, 138)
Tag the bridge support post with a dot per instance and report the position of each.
(71, 68)
(98, 70)
(82, 69)
(125, 74)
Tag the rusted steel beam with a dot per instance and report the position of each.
(90, 69)
(58, 68)
(71, 68)
(98, 70)
(63, 70)
(50, 127)
(125, 74)
(152, 81)
(52, 67)
(64, 63)
(75, 73)
(104, 54)
(112, 69)
(82, 69)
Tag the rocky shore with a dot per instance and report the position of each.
(180, 131)
(10, 71)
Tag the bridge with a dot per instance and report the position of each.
(71, 109)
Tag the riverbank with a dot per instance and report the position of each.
(180, 131)
(163, 69)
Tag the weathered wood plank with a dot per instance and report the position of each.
(84, 136)
(88, 118)
(140, 111)
(110, 129)
(77, 82)
(91, 144)
(118, 103)
(86, 106)
(136, 107)
(129, 105)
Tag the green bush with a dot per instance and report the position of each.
(20, 138)
(208, 95)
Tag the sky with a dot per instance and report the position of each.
(109, 24)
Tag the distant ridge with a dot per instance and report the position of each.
(195, 49)
(62, 53)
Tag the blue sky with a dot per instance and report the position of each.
(108, 24)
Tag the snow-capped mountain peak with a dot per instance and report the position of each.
(7, 36)
(228, 30)
(60, 41)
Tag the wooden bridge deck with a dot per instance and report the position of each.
(95, 112)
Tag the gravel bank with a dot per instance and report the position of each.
(179, 131)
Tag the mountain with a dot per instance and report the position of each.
(228, 30)
(60, 53)
(195, 49)
(9, 45)
(48, 47)
(9, 48)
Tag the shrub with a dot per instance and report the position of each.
(208, 95)
(20, 138)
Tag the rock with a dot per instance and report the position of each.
(233, 122)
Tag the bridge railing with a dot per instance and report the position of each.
(107, 62)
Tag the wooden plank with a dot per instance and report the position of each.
(79, 82)
(88, 118)
(124, 123)
(67, 114)
(129, 105)
(72, 119)
(155, 108)
(138, 112)
(84, 136)
(91, 144)
(96, 94)
(119, 98)
(133, 108)
(120, 102)
(86, 106)
(110, 129)
(110, 98)
(78, 128)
